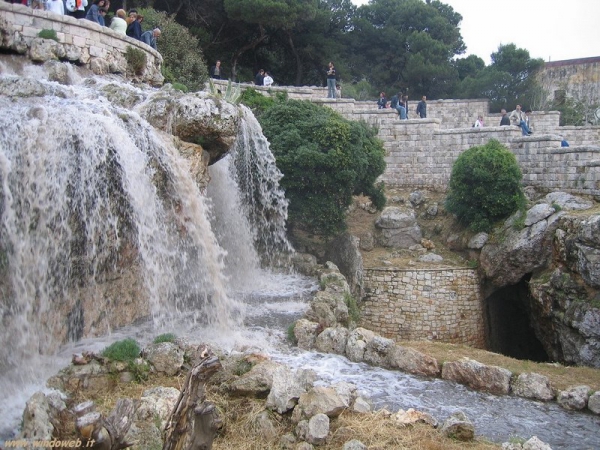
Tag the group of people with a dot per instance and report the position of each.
(399, 102)
(129, 24)
(518, 117)
(263, 78)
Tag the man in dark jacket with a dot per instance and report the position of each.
(422, 108)
(505, 120)
(260, 76)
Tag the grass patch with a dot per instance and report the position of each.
(165, 337)
(48, 34)
(124, 350)
(353, 311)
(136, 59)
(291, 336)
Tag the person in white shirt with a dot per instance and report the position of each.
(267, 80)
(56, 6)
(479, 122)
(118, 23)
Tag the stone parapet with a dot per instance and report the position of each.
(79, 41)
(415, 304)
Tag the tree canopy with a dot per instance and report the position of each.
(407, 46)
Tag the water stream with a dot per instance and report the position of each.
(78, 182)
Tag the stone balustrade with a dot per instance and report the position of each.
(79, 41)
(414, 304)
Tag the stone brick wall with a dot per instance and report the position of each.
(433, 304)
(79, 41)
(420, 152)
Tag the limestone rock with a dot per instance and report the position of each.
(344, 253)
(534, 386)
(367, 241)
(258, 381)
(574, 397)
(520, 252)
(357, 343)
(538, 212)
(411, 417)
(305, 263)
(332, 340)
(377, 350)
(287, 387)
(194, 116)
(478, 241)
(361, 405)
(354, 444)
(412, 361)
(306, 333)
(568, 202)
(458, 426)
(319, 399)
(37, 416)
(397, 227)
(478, 376)
(165, 357)
(157, 403)
(431, 257)
(594, 402)
(416, 198)
(318, 429)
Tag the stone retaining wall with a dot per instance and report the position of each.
(433, 304)
(80, 41)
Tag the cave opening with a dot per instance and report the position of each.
(508, 323)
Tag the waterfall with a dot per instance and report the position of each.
(98, 211)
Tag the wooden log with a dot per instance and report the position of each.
(194, 421)
(101, 433)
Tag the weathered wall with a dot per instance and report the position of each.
(579, 78)
(434, 304)
(81, 42)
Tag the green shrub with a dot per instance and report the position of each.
(325, 160)
(485, 186)
(166, 337)
(241, 367)
(353, 311)
(183, 60)
(124, 350)
(48, 34)
(256, 101)
(291, 336)
(136, 59)
(180, 87)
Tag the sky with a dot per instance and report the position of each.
(553, 30)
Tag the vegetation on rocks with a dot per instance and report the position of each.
(124, 350)
(183, 60)
(325, 159)
(485, 186)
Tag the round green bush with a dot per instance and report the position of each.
(124, 350)
(485, 186)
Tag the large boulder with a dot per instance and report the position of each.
(412, 361)
(534, 386)
(397, 227)
(478, 376)
(505, 261)
(344, 252)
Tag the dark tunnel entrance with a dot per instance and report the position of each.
(508, 326)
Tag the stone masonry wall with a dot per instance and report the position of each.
(82, 42)
(420, 152)
(433, 304)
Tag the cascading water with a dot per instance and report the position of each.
(97, 208)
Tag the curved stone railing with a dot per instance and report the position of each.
(81, 42)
